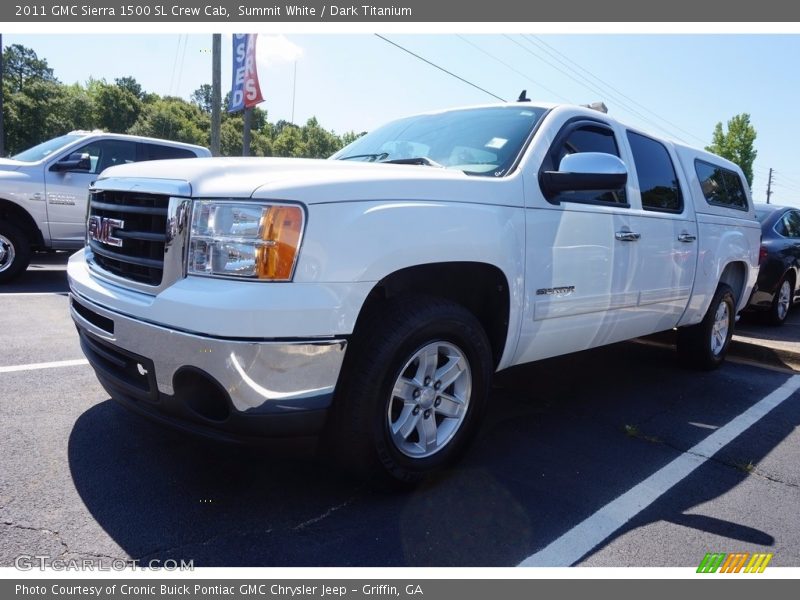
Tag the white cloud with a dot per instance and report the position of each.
(272, 49)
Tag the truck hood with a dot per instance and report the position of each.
(9, 164)
(310, 181)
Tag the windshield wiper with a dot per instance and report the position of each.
(372, 157)
(417, 160)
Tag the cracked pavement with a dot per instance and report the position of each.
(80, 477)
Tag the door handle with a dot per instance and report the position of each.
(627, 236)
(687, 238)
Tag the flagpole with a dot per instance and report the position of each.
(294, 88)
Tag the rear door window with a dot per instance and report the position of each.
(789, 225)
(658, 182)
(157, 152)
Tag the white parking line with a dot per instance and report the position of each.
(584, 537)
(4, 294)
(44, 365)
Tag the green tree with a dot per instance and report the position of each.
(202, 97)
(289, 142)
(230, 137)
(260, 144)
(38, 113)
(318, 142)
(130, 84)
(22, 65)
(78, 108)
(116, 108)
(350, 137)
(173, 119)
(38, 107)
(736, 144)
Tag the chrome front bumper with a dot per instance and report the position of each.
(146, 365)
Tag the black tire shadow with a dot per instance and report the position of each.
(160, 493)
(552, 451)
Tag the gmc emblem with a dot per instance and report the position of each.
(100, 229)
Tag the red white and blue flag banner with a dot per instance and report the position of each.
(245, 91)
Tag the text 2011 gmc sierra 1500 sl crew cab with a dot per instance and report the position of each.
(371, 297)
(43, 190)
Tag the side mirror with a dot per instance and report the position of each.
(74, 162)
(585, 171)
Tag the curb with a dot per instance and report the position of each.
(751, 350)
(763, 354)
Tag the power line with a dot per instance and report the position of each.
(175, 65)
(789, 179)
(594, 88)
(425, 60)
(515, 70)
(788, 188)
(553, 51)
(171, 82)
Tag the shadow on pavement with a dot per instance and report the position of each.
(755, 325)
(46, 273)
(554, 449)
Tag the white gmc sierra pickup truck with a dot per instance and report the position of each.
(370, 297)
(43, 190)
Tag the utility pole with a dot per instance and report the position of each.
(769, 185)
(216, 91)
(248, 119)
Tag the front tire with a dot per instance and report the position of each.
(15, 252)
(705, 345)
(414, 389)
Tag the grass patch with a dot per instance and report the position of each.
(634, 432)
(747, 467)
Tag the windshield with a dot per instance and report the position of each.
(45, 149)
(478, 141)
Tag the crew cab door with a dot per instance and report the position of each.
(67, 191)
(665, 256)
(579, 272)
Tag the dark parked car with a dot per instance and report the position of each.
(779, 260)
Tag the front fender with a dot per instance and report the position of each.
(368, 241)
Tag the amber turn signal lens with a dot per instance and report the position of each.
(281, 230)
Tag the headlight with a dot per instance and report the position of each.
(245, 239)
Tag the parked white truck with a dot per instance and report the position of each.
(372, 296)
(43, 190)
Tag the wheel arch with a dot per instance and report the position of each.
(11, 212)
(791, 273)
(735, 275)
(481, 288)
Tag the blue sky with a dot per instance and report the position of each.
(675, 85)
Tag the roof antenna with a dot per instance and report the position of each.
(523, 97)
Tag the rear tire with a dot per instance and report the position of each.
(413, 390)
(15, 252)
(704, 345)
(782, 302)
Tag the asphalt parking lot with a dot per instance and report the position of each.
(576, 464)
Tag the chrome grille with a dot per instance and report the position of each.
(143, 234)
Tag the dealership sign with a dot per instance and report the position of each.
(245, 91)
